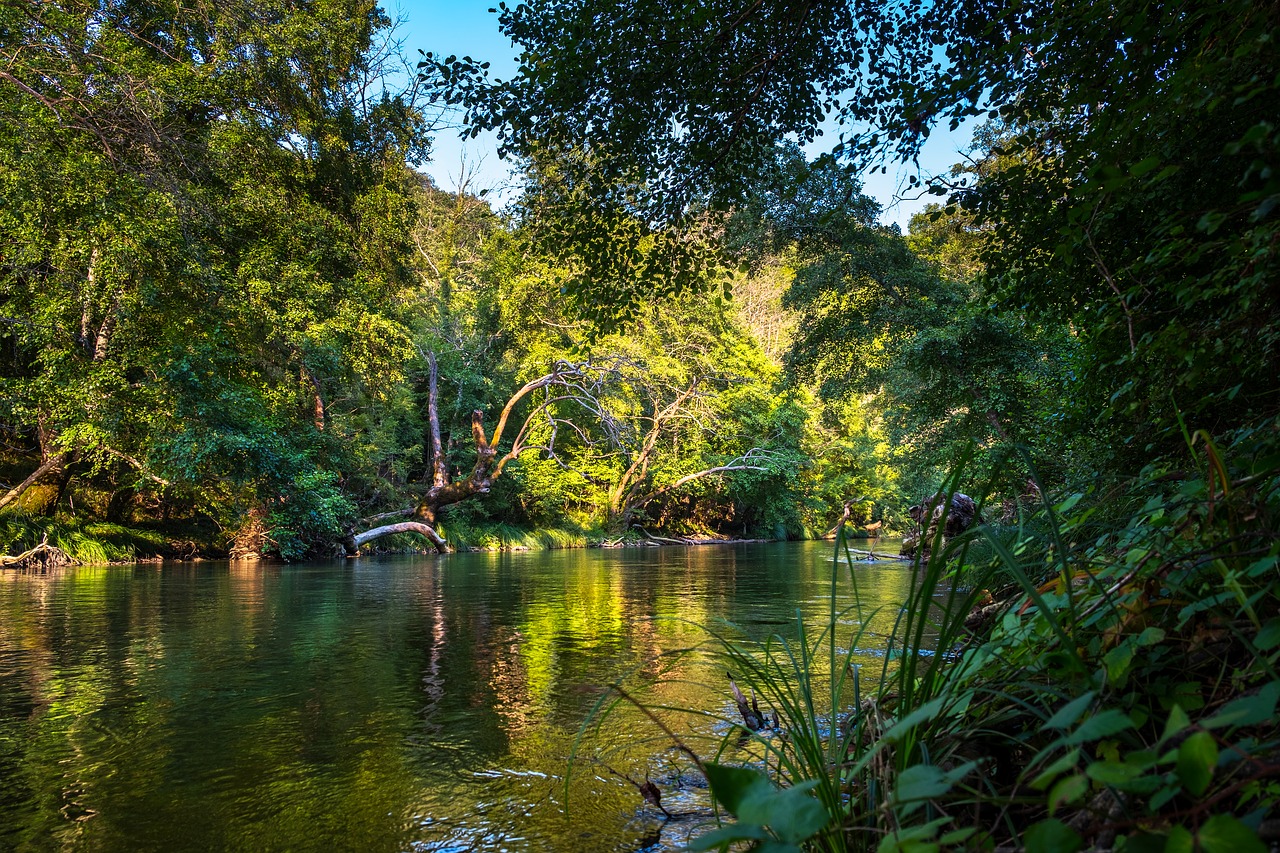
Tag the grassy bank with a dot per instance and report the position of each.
(1106, 677)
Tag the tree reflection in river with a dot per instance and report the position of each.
(428, 703)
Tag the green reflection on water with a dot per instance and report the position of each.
(415, 703)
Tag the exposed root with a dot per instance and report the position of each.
(43, 556)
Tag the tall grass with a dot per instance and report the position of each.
(1126, 692)
(92, 543)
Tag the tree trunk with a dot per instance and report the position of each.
(54, 463)
(356, 540)
(488, 466)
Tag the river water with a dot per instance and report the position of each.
(417, 703)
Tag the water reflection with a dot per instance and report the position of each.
(418, 703)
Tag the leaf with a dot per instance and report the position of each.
(1178, 720)
(923, 714)
(1113, 772)
(791, 813)
(727, 834)
(921, 782)
(1143, 166)
(1196, 759)
(1224, 834)
(1067, 715)
(1052, 836)
(1067, 791)
(1179, 841)
(731, 785)
(1107, 723)
(1247, 710)
(1269, 636)
(1066, 762)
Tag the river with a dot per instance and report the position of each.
(414, 703)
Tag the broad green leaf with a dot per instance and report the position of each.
(1179, 841)
(1178, 720)
(791, 813)
(919, 783)
(1247, 710)
(923, 714)
(732, 785)
(1269, 637)
(1067, 791)
(1196, 759)
(1107, 723)
(1052, 836)
(772, 845)
(1140, 842)
(913, 839)
(1224, 834)
(1067, 715)
(957, 836)
(1113, 772)
(1063, 764)
(726, 834)
(1151, 636)
(1117, 662)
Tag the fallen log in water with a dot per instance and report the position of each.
(880, 556)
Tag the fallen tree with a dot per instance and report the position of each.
(566, 383)
(590, 389)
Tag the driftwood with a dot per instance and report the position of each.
(651, 539)
(43, 555)
(751, 716)
(873, 555)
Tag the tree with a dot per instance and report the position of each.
(1139, 202)
(564, 384)
(202, 214)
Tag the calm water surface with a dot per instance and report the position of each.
(425, 703)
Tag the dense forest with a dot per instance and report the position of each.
(235, 318)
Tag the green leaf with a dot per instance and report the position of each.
(731, 785)
(923, 714)
(1143, 166)
(1224, 834)
(1113, 772)
(1067, 715)
(1150, 636)
(957, 836)
(913, 839)
(1107, 723)
(1064, 763)
(1067, 791)
(1269, 636)
(1117, 662)
(728, 834)
(921, 782)
(1196, 759)
(791, 813)
(1179, 841)
(771, 845)
(1247, 710)
(1178, 720)
(1140, 842)
(1052, 836)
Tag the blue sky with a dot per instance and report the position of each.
(466, 28)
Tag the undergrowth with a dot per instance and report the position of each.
(1120, 694)
(95, 542)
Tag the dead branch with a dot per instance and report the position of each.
(53, 464)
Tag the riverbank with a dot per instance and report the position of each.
(67, 542)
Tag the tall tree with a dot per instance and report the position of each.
(203, 223)
(1139, 202)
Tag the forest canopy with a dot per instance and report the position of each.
(231, 304)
